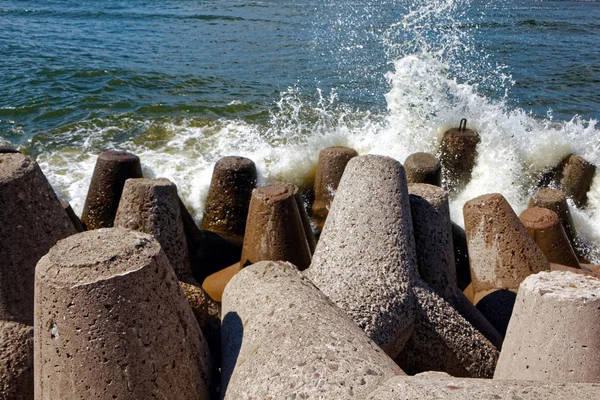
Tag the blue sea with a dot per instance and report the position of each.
(182, 83)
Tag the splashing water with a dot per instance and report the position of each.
(437, 77)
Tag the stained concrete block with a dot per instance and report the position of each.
(440, 386)
(112, 322)
(576, 178)
(365, 260)
(282, 338)
(112, 169)
(458, 151)
(152, 206)
(423, 168)
(32, 220)
(16, 361)
(554, 332)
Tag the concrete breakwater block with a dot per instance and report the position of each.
(435, 253)
(575, 178)
(560, 313)
(365, 260)
(330, 168)
(458, 151)
(111, 322)
(152, 206)
(16, 361)
(112, 169)
(282, 338)
(441, 386)
(423, 168)
(545, 228)
(32, 221)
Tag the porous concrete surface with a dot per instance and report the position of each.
(554, 331)
(440, 386)
(423, 168)
(32, 220)
(365, 260)
(444, 341)
(112, 169)
(458, 151)
(274, 230)
(555, 200)
(501, 252)
(112, 322)
(576, 178)
(283, 339)
(16, 361)
(152, 206)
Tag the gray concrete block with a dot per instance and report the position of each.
(283, 339)
(16, 361)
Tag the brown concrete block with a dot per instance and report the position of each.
(423, 168)
(283, 339)
(112, 169)
(576, 178)
(458, 151)
(72, 216)
(554, 333)
(215, 284)
(330, 168)
(545, 228)
(16, 361)
(112, 322)
(152, 206)
(32, 221)
(274, 230)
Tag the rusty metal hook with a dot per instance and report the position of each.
(463, 125)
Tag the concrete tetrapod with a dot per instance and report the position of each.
(435, 253)
(32, 221)
(16, 361)
(458, 151)
(330, 168)
(112, 169)
(440, 386)
(152, 206)
(365, 260)
(112, 322)
(560, 311)
(576, 177)
(282, 338)
(545, 228)
(423, 168)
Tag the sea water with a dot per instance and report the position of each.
(184, 83)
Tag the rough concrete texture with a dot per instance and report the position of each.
(440, 386)
(576, 178)
(16, 361)
(461, 256)
(423, 168)
(112, 169)
(444, 341)
(330, 168)
(582, 271)
(226, 207)
(72, 216)
(435, 253)
(555, 200)
(112, 322)
(283, 339)
(32, 220)
(152, 206)
(545, 228)
(554, 332)
(365, 260)
(274, 230)
(458, 151)
(501, 252)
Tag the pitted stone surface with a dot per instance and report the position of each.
(152, 206)
(554, 331)
(283, 339)
(16, 361)
(365, 260)
(32, 220)
(439, 386)
(423, 168)
(112, 322)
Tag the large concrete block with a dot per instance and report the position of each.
(440, 386)
(458, 151)
(112, 322)
(32, 220)
(365, 260)
(423, 168)
(283, 339)
(16, 361)
(576, 178)
(554, 332)
(112, 169)
(152, 206)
